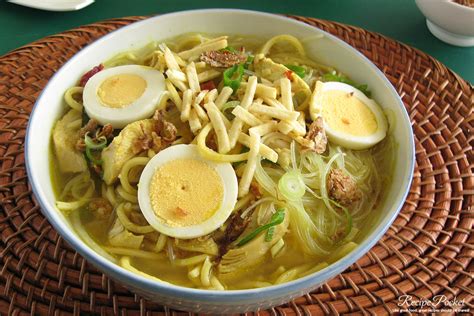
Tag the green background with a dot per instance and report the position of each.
(398, 19)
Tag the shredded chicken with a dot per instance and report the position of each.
(90, 127)
(107, 131)
(255, 189)
(317, 135)
(203, 244)
(343, 188)
(239, 260)
(234, 229)
(222, 59)
(163, 128)
(80, 145)
(163, 134)
(101, 208)
(147, 141)
(65, 138)
(137, 218)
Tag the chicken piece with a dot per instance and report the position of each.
(65, 139)
(155, 133)
(101, 208)
(206, 245)
(90, 127)
(136, 217)
(255, 189)
(317, 134)
(106, 131)
(165, 129)
(233, 230)
(222, 59)
(238, 260)
(119, 236)
(343, 188)
(266, 68)
(147, 141)
(124, 147)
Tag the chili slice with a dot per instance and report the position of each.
(85, 77)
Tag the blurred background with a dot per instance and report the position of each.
(398, 19)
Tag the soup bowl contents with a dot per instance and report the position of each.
(121, 210)
(221, 162)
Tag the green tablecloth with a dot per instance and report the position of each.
(398, 19)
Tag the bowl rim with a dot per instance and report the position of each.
(168, 289)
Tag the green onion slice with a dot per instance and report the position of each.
(91, 145)
(229, 49)
(249, 61)
(276, 219)
(228, 107)
(95, 145)
(233, 76)
(91, 157)
(269, 234)
(300, 71)
(291, 185)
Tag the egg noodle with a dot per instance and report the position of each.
(260, 128)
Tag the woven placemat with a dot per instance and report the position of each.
(427, 251)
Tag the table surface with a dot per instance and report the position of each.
(398, 19)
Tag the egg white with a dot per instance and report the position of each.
(183, 151)
(348, 140)
(141, 108)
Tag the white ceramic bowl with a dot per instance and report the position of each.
(327, 49)
(449, 21)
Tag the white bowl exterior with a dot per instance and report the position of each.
(448, 15)
(328, 50)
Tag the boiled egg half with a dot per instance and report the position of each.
(183, 195)
(351, 119)
(123, 94)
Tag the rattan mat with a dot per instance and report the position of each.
(426, 252)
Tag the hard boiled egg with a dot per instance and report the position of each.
(123, 94)
(183, 195)
(351, 119)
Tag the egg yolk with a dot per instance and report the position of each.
(344, 112)
(185, 192)
(121, 90)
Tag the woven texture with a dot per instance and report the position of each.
(427, 251)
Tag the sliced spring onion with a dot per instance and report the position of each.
(233, 76)
(95, 145)
(229, 49)
(91, 157)
(291, 185)
(91, 145)
(269, 234)
(300, 71)
(249, 61)
(332, 76)
(276, 219)
(228, 107)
